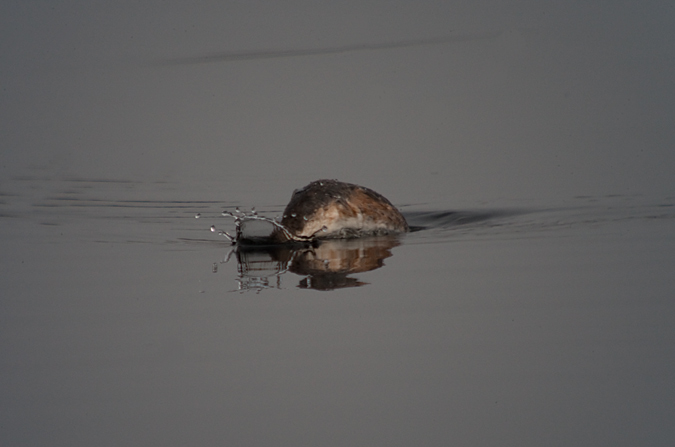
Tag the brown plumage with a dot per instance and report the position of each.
(333, 209)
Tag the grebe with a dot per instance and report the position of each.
(324, 209)
(332, 209)
(306, 241)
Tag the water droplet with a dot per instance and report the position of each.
(324, 228)
(293, 215)
(284, 216)
(304, 217)
(213, 228)
(197, 216)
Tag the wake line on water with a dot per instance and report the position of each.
(531, 222)
(274, 54)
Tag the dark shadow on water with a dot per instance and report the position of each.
(234, 56)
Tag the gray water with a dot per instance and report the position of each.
(530, 147)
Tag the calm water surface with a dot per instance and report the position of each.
(530, 145)
(123, 323)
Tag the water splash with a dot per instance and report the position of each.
(250, 227)
(223, 233)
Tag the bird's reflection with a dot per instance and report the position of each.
(326, 265)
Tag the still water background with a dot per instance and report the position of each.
(533, 143)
